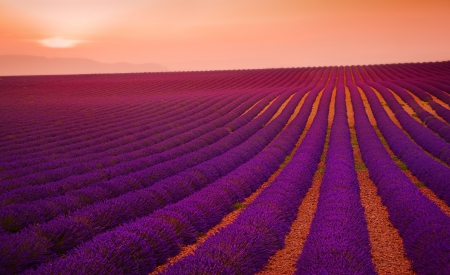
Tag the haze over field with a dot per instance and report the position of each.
(226, 34)
(31, 65)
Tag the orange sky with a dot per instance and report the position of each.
(229, 34)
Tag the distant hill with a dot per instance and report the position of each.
(38, 65)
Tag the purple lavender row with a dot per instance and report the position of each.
(436, 125)
(438, 108)
(391, 74)
(392, 70)
(244, 246)
(416, 71)
(432, 90)
(102, 89)
(138, 154)
(73, 122)
(442, 86)
(40, 174)
(106, 133)
(43, 242)
(424, 228)
(71, 132)
(443, 80)
(427, 70)
(423, 136)
(338, 241)
(384, 73)
(16, 169)
(432, 69)
(137, 160)
(86, 190)
(110, 140)
(133, 142)
(369, 75)
(180, 224)
(434, 174)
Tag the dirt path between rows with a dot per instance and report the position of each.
(284, 260)
(386, 244)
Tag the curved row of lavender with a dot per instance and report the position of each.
(113, 174)
(425, 229)
(338, 241)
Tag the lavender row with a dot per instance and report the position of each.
(109, 132)
(87, 190)
(137, 154)
(19, 212)
(424, 228)
(436, 125)
(180, 224)
(442, 86)
(244, 246)
(439, 109)
(20, 167)
(384, 73)
(338, 240)
(128, 141)
(68, 119)
(41, 127)
(134, 161)
(39, 174)
(434, 174)
(443, 80)
(64, 233)
(72, 133)
(432, 90)
(113, 139)
(423, 136)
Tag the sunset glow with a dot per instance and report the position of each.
(231, 34)
(59, 42)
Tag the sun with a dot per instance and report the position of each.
(59, 42)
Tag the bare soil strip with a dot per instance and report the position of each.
(386, 244)
(372, 119)
(251, 107)
(406, 107)
(284, 260)
(430, 194)
(297, 109)
(389, 111)
(267, 106)
(439, 101)
(281, 108)
(426, 106)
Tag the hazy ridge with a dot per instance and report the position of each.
(39, 65)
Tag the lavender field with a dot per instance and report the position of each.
(322, 170)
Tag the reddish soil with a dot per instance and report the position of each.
(386, 244)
